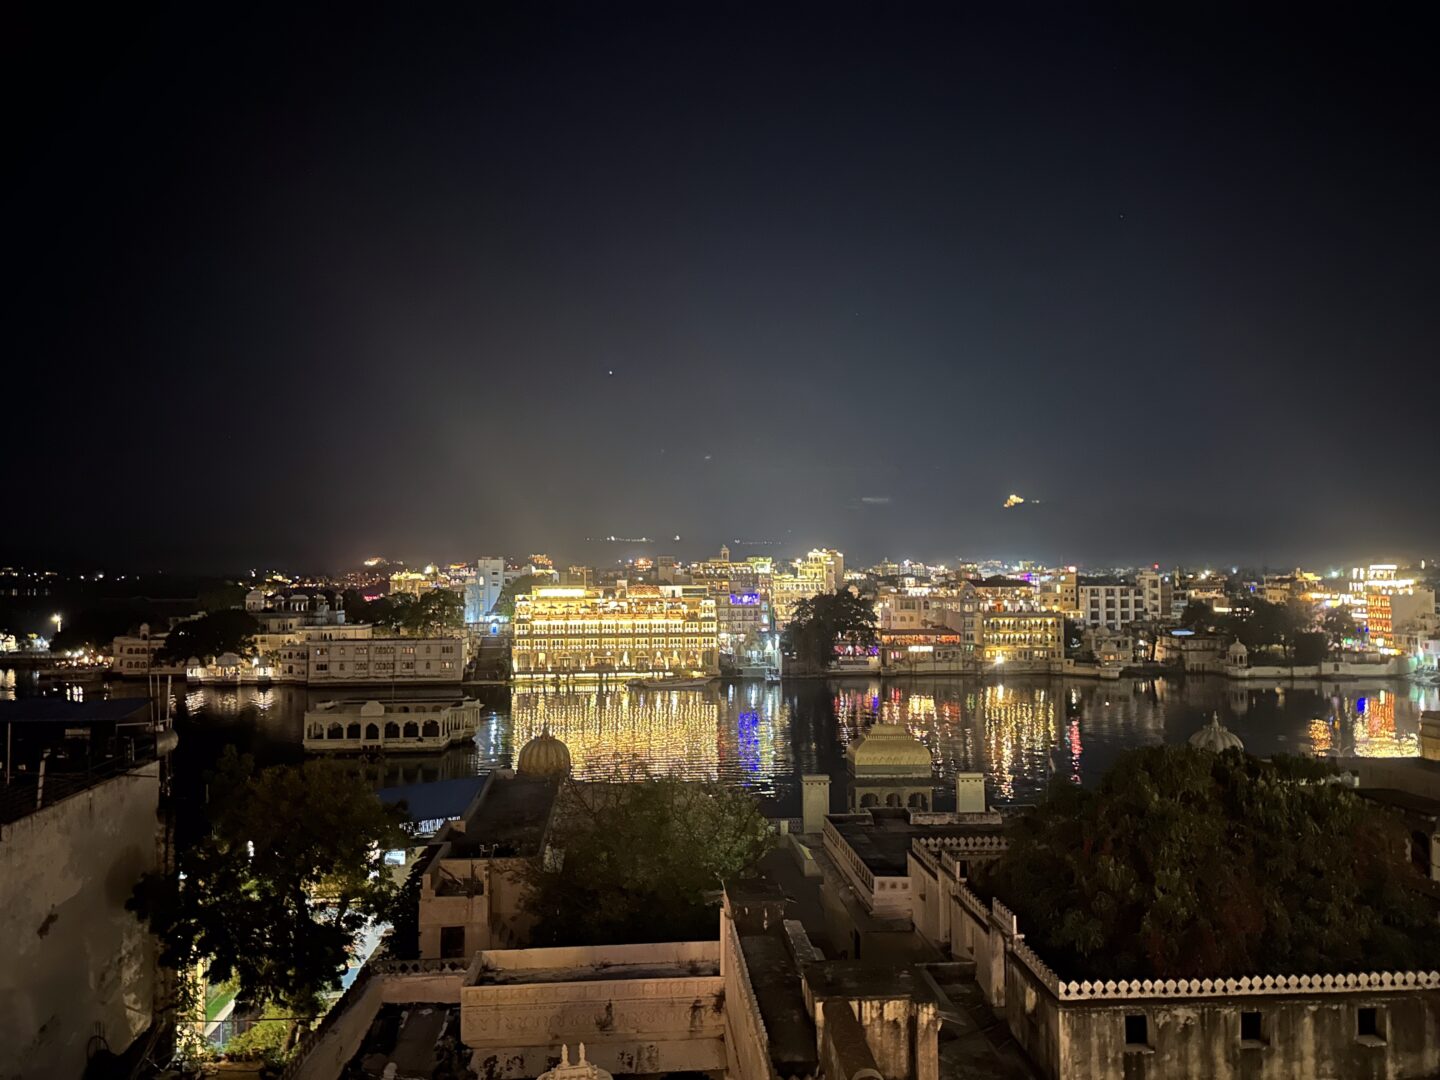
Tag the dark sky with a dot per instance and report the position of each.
(298, 289)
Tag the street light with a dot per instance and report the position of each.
(57, 621)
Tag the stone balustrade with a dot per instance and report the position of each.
(1131, 989)
(971, 902)
(980, 845)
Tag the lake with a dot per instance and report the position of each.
(1021, 732)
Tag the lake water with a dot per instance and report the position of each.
(1020, 731)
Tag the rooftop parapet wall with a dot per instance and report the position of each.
(1133, 989)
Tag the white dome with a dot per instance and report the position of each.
(1216, 737)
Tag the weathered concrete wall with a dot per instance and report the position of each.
(629, 1023)
(613, 957)
(1311, 1037)
(344, 1033)
(73, 961)
(889, 1032)
(1032, 1015)
(844, 1053)
(747, 1044)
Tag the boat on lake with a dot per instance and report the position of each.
(670, 684)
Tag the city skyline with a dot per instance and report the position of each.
(464, 282)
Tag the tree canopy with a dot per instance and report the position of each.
(637, 861)
(821, 621)
(1184, 863)
(277, 891)
(505, 603)
(231, 630)
(220, 595)
(433, 613)
(1339, 626)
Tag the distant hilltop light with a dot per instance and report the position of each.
(1013, 500)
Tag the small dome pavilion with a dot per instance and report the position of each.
(890, 767)
(543, 756)
(1216, 737)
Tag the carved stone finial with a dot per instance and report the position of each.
(582, 1053)
(564, 1055)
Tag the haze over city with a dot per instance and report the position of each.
(721, 541)
(296, 291)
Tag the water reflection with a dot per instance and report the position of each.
(1022, 733)
(738, 734)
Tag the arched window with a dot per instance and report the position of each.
(870, 799)
(918, 801)
(372, 732)
(336, 731)
(892, 800)
(353, 731)
(432, 729)
(392, 729)
(412, 729)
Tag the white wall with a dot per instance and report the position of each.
(73, 961)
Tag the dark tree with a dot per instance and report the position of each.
(1186, 863)
(1339, 626)
(823, 621)
(208, 636)
(278, 890)
(221, 595)
(1197, 615)
(435, 612)
(1310, 648)
(505, 604)
(642, 861)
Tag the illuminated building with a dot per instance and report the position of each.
(999, 593)
(408, 581)
(321, 659)
(822, 570)
(1110, 603)
(482, 589)
(1388, 612)
(740, 617)
(393, 727)
(1060, 593)
(935, 650)
(1157, 592)
(133, 655)
(915, 609)
(1020, 639)
(1001, 624)
(1193, 653)
(629, 630)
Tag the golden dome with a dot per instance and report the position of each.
(544, 755)
(889, 748)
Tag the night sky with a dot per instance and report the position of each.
(300, 289)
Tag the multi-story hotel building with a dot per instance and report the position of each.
(740, 616)
(822, 570)
(1109, 603)
(624, 631)
(1158, 592)
(1019, 638)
